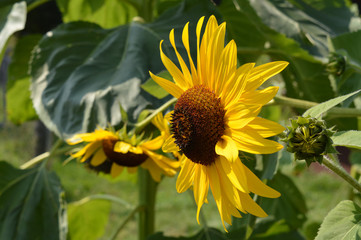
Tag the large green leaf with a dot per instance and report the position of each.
(107, 14)
(19, 105)
(88, 219)
(342, 222)
(308, 22)
(12, 19)
(81, 72)
(204, 234)
(30, 203)
(322, 108)
(351, 139)
(291, 206)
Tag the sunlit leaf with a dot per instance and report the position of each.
(88, 219)
(351, 139)
(153, 88)
(107, 14)
(19, 105)
(30, 204)
(322, 108)
(12, 19)
(342, 222)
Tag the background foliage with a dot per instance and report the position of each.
(94, 56)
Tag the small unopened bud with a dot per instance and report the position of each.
(309, 139)
(336, 64)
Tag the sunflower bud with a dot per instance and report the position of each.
(336, 64)
(309, 139)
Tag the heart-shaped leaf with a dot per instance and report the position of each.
(81, 73)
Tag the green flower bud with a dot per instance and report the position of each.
(336, 64)
(309, 139)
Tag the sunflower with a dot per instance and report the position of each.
(111, 152)
(215, 117)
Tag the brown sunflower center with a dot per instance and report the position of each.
(198, 124)
(128, 159)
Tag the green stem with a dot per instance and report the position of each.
(340, 171)
(42, 156)
(147, 10)
(303, 104)
(122, 225)
(139, 126)
(36, 4)
(147, 193)
(105, 197)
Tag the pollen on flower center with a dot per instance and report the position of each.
(128, 159)
(198, 124)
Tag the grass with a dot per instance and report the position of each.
(176, 213)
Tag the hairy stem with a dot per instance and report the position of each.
(340, 171)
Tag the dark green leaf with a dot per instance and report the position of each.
(88, 219)
(204, 234)
(271, 229)
(351, 139)
(309, 23)
(342, 222)
(30, 204)
(291, 206)
(81, 73)
(347, 45)
(321, 108)
(19, 105)
(108, 14)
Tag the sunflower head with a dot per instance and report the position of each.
(110, 152)
(215, 117)
(309, 139)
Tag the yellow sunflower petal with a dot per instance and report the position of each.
(98, 158)
(153, 169)
(263, 127)
(187, 78)
(167, 165)
(258, 187)
(122, 147)
(186, 176)
(169, 145)
(154, 144)
(91, 148)
(227, 148)
(170, 87)
(115, 170)
(226, 67)
(262, 73)
(237, 180)
(132, 170)
(254, 143)
(260, 97)
(200, 187)
(251, 206)
(234, 87)
(185, 40)
(198, 33)
(216, 189)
